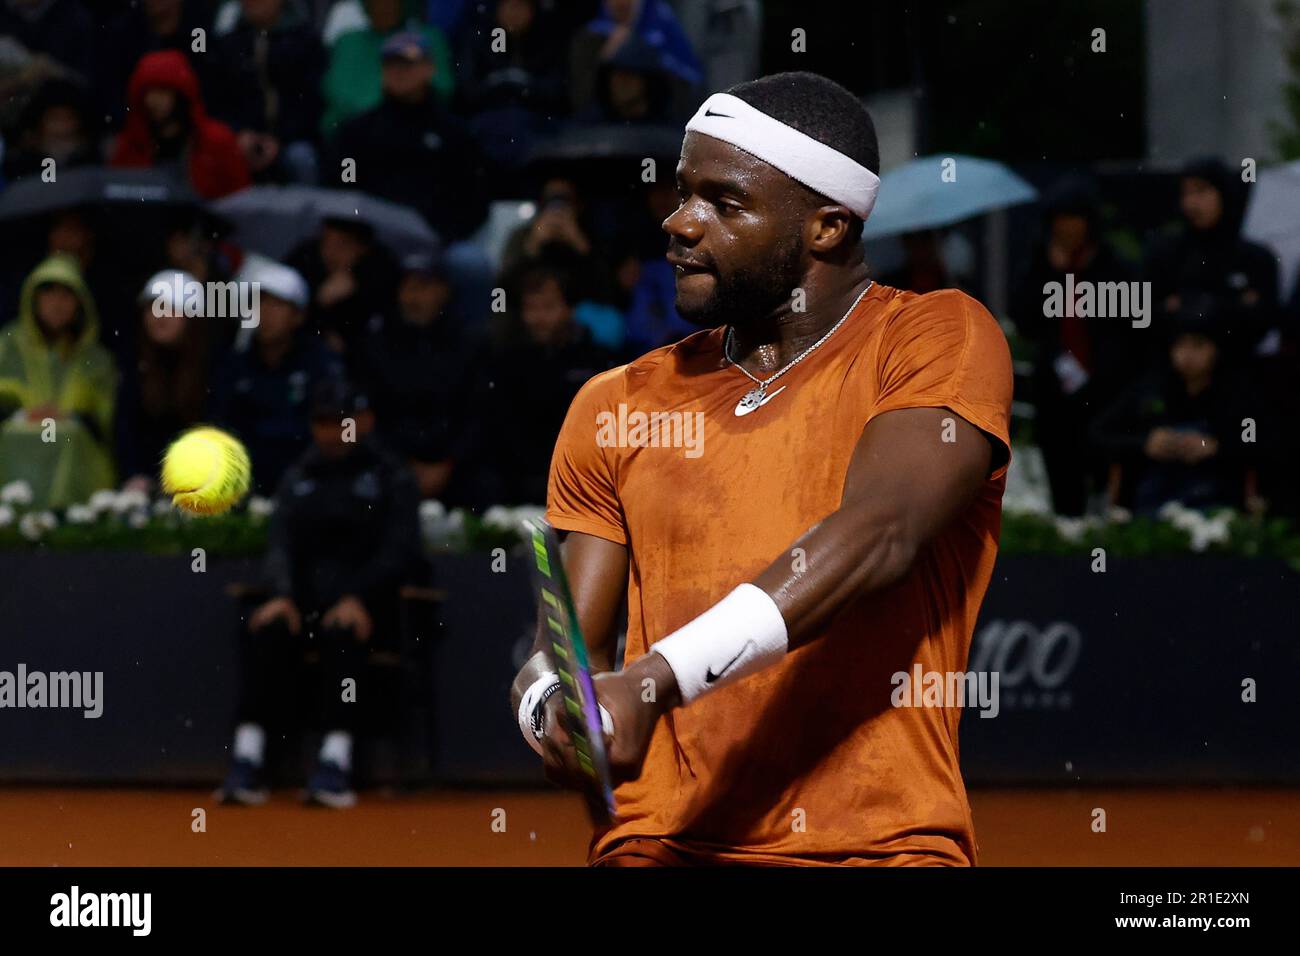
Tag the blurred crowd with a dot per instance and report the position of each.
(468, 347)
(437, 106)
(1196, 401)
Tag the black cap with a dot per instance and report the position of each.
(409, 45)
(336, 399)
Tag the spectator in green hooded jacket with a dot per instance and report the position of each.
(352, 82)
(57, 390)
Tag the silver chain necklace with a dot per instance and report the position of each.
(757, 397)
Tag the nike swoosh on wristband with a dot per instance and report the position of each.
(709, 112)
(710, 677)
(741, 412)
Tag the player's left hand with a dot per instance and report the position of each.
(636, 697)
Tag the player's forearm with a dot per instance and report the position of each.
(854, 550)
(851, 552)
(897, 496)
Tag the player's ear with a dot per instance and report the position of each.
(828, 228)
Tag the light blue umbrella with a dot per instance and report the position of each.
(936, 191)
(1273, 218)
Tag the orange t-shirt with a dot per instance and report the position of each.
(807, 759)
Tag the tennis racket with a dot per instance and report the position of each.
(568, 653)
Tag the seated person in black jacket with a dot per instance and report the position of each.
(1182, 430)
(424, 371)
(343, 539)
(1208, 267)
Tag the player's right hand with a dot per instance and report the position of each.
(559, 756)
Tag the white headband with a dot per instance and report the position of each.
(816, 165)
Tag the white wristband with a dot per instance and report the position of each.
(741, 634)
(534, 697)
(531, 700)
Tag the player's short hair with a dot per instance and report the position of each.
(818, 107)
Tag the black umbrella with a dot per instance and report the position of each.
(93, 186)
(603, 141)
(607, 155)
(274, 219)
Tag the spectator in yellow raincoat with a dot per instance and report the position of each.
(57, 390)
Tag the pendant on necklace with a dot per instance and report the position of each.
(751, 400)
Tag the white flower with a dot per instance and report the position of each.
(440, 527)
(137, 518)
(499, 516)
(1072, 529)
(161, 507)
(16, 493)
(1211, 531)
(31, 527)
(260, 507)
(130, 499)
(1200, 528)
(6, 516)
(1218, 532)
(1177, 515)
(103, 500)
(80, 514)
(1117, 515)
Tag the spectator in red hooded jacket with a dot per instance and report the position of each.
(167, 126)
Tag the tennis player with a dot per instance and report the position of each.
(833, 524)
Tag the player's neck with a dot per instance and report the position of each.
(779, 338)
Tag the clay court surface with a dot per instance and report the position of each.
(93, 827)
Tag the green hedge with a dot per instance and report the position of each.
(160, 529)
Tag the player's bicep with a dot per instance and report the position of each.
(597, 571)
(921, 466)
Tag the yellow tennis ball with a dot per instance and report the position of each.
(206, 471)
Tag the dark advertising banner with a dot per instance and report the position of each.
(1143, 673)
(1138, 673)
(160, 636)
